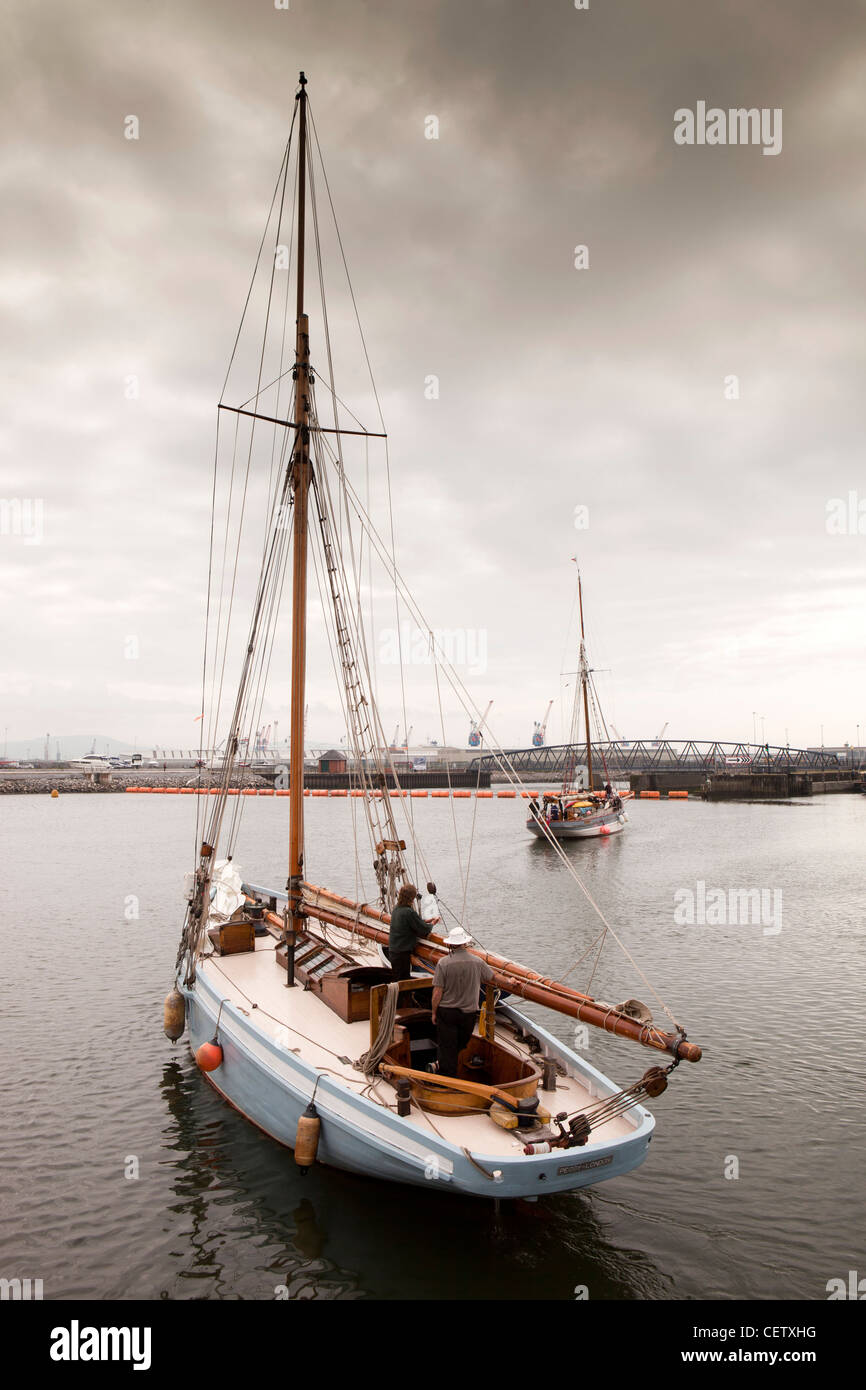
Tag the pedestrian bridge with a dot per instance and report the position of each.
(621, 758)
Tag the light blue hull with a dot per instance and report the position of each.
(272, 1087)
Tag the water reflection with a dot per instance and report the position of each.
(238, 1201)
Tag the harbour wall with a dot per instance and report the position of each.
(768, 786)
(73, 780)
(744, 786)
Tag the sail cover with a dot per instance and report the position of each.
(226, 891)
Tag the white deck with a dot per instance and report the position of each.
(299, 1020)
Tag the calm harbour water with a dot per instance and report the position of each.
(219, 1211)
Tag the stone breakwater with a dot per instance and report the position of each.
(68, 784)
(45, 785)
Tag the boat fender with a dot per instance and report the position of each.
(307, 1138)
(173, 1015)
(210, 1055)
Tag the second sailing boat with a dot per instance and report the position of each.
(576, 812)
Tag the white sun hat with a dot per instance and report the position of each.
(457, 937)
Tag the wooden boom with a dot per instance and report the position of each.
(509, 976)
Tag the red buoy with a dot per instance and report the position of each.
(209, 1056)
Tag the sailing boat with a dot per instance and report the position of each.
(575, 812)
(288, 1001)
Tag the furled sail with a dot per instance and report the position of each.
(226, 892)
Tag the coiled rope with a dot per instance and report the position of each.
(369, 1062)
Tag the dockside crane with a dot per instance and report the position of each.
(540, 729)
(476, 727)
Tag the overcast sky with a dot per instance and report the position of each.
(713, 585)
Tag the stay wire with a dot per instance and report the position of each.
(500, 758)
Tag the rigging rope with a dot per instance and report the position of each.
(497, 752)
(369, 1062)
(347, 617)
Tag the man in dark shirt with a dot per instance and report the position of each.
(457, 983)
(407, 929)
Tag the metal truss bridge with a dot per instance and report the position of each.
(664, 755)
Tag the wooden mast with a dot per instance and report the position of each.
(301, 473)
(584, 682)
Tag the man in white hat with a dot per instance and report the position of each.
(457, 983)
